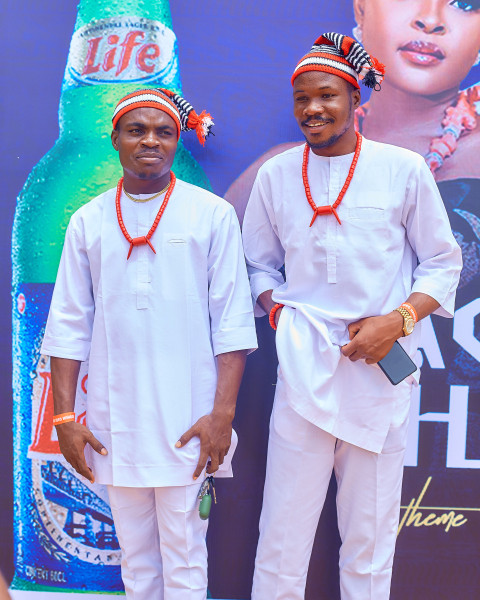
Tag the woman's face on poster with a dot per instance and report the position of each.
(428, 46)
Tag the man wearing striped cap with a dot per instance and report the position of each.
(368, 252)
(152, 287)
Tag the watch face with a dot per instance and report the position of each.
(408, 326)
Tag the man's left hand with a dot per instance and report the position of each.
(373, 337)
(215, 433)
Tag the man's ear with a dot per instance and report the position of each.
(114, 138)
(359, 11)
(356, 98)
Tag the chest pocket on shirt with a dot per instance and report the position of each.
(366, 213)
(370, 215)
(173, 270)
(367, 236)
(367, 225)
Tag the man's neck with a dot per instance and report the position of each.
(346, 144)
(137, 186)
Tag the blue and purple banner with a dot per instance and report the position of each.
(235, 60)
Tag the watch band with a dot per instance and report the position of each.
(411, 310)
(408, 320)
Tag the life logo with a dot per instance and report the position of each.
(122, 49)
(71, 517)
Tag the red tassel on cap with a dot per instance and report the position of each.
(202, 124)
(377, 65)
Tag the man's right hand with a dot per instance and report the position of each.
(73, 437)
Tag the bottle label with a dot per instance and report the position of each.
(57, 488)
(124, 49)
(64, 532)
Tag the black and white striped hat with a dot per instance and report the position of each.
(171, 103)
(343, 56)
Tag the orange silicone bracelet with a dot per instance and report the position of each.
(411, 310)
(63, 418)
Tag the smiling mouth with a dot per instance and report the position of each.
(315, 124)
(422, 53)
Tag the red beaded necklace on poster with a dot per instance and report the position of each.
(328, 210)
(144, 239)
(459, 119)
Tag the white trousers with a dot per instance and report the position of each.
(299, 466)
(162, 538)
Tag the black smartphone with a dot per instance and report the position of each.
(397, 365)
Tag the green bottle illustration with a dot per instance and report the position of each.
(64, 534)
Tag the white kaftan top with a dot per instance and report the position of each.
(394, 239)
(150, 326)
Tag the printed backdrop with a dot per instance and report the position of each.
(235, 60)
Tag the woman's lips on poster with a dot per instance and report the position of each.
(422, 53)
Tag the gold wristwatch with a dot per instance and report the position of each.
(408, 320)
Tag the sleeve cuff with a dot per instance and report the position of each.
(229, 340)
(261, 283)
(80, 352)
(445, 299)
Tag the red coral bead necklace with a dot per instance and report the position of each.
(144, 239)
(329, 210)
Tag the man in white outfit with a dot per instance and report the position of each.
(152, 288)
(368, 252)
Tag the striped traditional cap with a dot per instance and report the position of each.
(343, 56)
(171, 103)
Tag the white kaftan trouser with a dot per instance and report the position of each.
(164, 552)
(300, 460)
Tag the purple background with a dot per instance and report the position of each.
(236, 60)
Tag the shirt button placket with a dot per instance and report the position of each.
(142, 260)
(333, 191)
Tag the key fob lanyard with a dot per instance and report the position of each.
(207, 490)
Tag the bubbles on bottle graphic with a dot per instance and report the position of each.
(64, 533)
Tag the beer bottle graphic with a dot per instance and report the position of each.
(64, 534)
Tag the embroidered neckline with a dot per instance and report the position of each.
(328, 210)
(144, 239)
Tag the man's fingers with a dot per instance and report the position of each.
(353, 329)
(213, 464)
(349, 348)
(96, 445)
(200, 465)
(73, 445)
(222, 455)
(186, 437)
(82, 468)
(87, 473)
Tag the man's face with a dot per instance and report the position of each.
(146, 141)
(324, 105)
